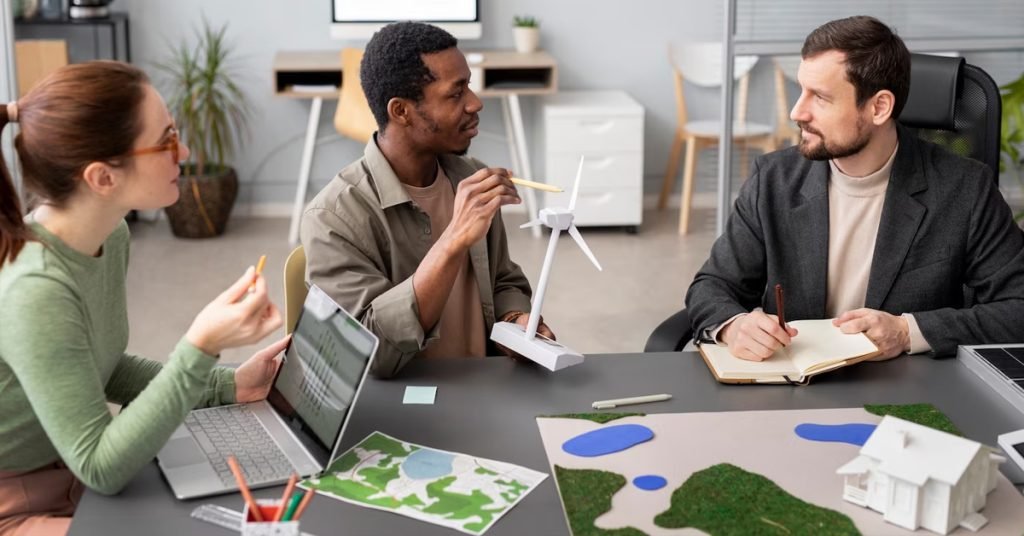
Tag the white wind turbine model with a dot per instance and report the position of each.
(526, 342)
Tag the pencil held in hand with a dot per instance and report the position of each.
(536, 185)
(259, 270)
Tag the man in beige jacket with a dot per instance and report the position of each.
(409, 238)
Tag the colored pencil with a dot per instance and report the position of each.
(287, 493)
(305, 502)
(242, 487)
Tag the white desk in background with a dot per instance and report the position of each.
(503, 74)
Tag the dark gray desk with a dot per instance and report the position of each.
(487, 408)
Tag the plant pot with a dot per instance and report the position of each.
(527, 39)
(215, 191)
(25, 9)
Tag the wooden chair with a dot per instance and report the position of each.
(294, 287)
(786, 131)
(37, 58)
(702, 61)
(353, 118)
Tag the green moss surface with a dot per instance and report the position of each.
(923, 414)
(586, 494)
(596, 417)
(725, 499)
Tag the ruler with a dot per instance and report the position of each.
(222, 517)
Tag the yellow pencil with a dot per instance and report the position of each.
(536, 185)
(259, 269)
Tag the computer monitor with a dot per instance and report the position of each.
(359, 19)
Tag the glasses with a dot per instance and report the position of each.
(173, 144)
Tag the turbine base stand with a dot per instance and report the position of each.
(543, 351)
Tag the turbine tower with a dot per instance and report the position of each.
(527, 343)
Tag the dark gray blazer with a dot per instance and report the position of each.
(947, 251)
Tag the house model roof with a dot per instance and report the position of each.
(916, 453)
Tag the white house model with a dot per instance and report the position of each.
(920, 477)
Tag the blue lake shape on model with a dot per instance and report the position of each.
(607, 440)
(852, 433)
(426, 464)
(650, 482)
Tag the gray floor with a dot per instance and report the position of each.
(644, 279)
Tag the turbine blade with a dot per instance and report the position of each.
(576, 186)
(534, 223)
(575, 234)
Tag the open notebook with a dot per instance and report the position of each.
(819, 347)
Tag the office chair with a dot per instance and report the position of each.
(35, 59)
(951, 103)
(294, 287)
(353, 118)
(957, 105)
(702, 64)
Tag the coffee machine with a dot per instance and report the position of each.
(89, 9)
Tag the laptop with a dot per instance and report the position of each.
(297, 429)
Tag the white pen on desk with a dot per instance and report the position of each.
(609, 404)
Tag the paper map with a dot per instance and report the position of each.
(444, 488)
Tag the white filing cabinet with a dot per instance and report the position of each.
(607, 127)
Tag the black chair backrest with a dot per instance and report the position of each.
(956, 105)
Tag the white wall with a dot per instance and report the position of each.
(599, 44)
(8, 86)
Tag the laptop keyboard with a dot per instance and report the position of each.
(234, 430)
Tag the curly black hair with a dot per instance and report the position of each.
(393, 65)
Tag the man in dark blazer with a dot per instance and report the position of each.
(863, 222)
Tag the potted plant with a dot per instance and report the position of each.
(1011, 142)
(526, 34)
(211, 113)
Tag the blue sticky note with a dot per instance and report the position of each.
(419, 395)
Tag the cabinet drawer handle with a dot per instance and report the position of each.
(599, 162)
(596, 197)
(597, 126)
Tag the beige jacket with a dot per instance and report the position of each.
(364, 238)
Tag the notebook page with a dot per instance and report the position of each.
(820, 344)
(729, 366)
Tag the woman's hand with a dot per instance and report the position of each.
(254, 377)
(235, 318)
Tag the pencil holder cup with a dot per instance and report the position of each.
(269, 508)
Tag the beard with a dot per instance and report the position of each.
(825, 150)
(434, 129)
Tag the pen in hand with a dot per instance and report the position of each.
(781, 306)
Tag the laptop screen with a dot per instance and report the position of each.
(323, 368)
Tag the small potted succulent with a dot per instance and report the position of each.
(527, 34)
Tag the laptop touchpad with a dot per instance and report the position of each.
(181, 451)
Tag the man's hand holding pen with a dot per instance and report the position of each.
(756, 336)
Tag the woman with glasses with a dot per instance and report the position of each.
(96, 141)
